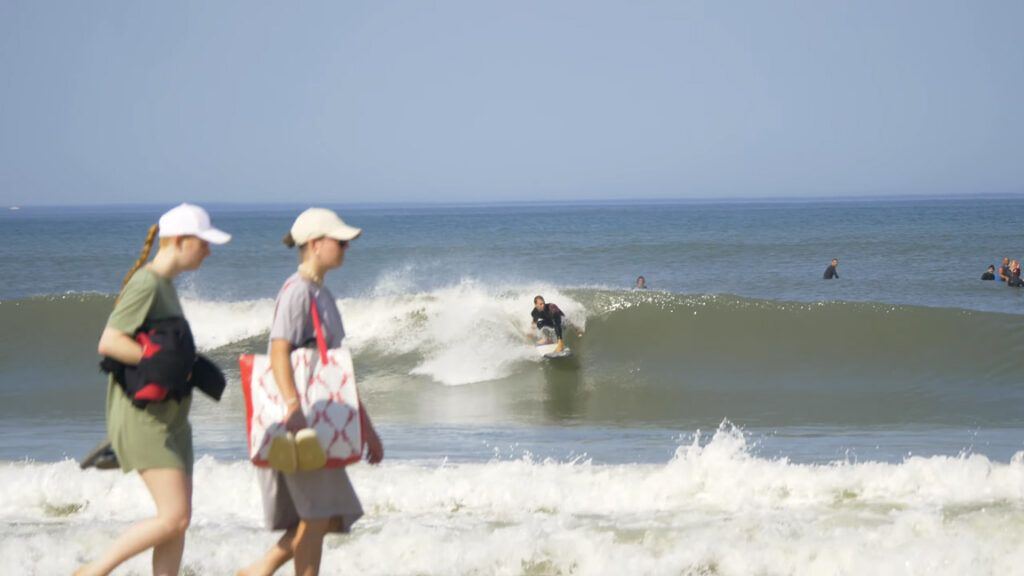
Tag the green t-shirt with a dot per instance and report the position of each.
(148, 296)
(159, 435)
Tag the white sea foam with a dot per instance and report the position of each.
(711, 509)
(215, 324)
(463, 333)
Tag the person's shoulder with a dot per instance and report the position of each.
(293, 283)
(143, 277)
(295, 289)
(137, 299)
(142, 283)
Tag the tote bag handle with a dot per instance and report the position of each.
(321, 342)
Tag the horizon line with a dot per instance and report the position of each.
(550, 202)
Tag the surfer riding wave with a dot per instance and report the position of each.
(549, 316)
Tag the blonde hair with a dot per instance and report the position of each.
(146, 248)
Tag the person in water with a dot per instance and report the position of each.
(641, 283)
(550, 316)
(989, 274)
(830, 272)
(1015, 281)
(1004, 270)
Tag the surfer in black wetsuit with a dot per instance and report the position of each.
(830, 272)
(548, 315)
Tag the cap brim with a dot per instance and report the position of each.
(214, 236)
(344, 232)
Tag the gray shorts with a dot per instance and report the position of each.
(308, 495)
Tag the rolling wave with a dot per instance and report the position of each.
(645, 356)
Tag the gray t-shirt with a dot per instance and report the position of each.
(312, 494)
(293, 320)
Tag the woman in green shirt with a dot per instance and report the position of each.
(155, 440)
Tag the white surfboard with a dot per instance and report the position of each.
(546, 346)
(563, 353)
(547, 350)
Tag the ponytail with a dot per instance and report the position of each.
(142, 259)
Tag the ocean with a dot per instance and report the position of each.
(743, 416)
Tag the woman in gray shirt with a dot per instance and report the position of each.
(308, 503)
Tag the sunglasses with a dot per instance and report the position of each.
(341, 243)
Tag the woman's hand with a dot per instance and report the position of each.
(294, 419)
(374, 447)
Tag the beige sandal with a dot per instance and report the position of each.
(282, 455)
(311, 455)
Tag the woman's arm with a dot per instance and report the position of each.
(281, 365)
(374, 447)
(119, 346)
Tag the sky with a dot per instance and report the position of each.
(485, 101)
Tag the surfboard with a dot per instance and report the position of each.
(102, 457)
(547, 350)
(563, 353)
(546, 347)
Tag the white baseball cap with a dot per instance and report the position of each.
(191, 220)
(319, 222)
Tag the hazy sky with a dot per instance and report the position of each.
(479, 100)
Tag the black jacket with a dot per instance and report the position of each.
(169, 368)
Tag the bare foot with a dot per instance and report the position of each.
(265, 566)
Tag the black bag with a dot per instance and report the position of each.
(169, 367)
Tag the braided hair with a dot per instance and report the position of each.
(146, 248)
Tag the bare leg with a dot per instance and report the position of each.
(276, 557)
(171, 490)
(167, 555)
(304, 543)
(309, 542)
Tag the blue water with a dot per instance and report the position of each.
(927, 252)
